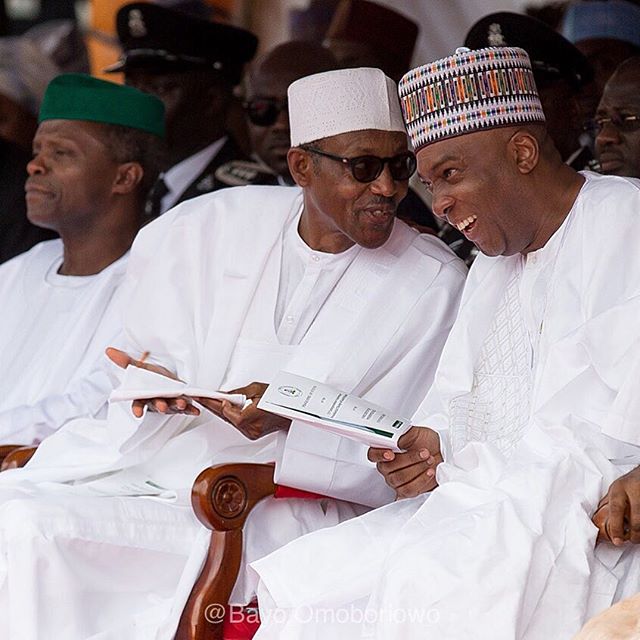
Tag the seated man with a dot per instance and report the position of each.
(534, 407)
(227, 290)
(94, 154)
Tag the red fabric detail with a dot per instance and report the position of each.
(240, 623)
(290, 492)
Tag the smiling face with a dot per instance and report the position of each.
(474, 181)
(71, 175)
(338, 210)
(618, 147)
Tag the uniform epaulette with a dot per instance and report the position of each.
(238, 173)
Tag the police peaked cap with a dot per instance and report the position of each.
(161, 40)
(552, 55)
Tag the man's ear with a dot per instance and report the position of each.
(525, 150)
(128, 177)
(300, 166)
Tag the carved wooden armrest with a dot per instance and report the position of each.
(222, 498)
(6, 449)
(14, 456)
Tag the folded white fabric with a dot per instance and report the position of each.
(141, 384)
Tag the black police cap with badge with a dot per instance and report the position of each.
(160, 40)
(552, 56)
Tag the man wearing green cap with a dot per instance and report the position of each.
(94, 155)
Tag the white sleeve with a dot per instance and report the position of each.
(328, 464)
(85, 397)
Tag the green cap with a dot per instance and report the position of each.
(76, 96)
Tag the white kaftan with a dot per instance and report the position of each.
(53, 331)
(503, 549)
(203, 287)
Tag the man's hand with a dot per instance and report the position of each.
(618, 514)
(250, 421)
(414, 471)
(160, 405)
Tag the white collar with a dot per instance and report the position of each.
(294, 241)
(181, 175)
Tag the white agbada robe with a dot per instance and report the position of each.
(53, 329)
(536, 401)
(202, 297)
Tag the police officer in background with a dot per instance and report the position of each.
(267, 113)
(192, 65)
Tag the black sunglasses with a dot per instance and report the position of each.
(265, 111)
(368, 168)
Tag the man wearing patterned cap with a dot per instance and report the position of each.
(534, 408)
(192, 65)
(223, 292)
(95, 152)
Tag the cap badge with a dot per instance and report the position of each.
(495, 38)
(137, 27)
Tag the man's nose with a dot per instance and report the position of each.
(442, 204)
(36, 165)
(282, 121)
(384, 184)
(609, 134)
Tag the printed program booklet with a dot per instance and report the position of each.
(333, 410)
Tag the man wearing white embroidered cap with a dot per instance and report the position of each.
(534, 406)
(224, 291)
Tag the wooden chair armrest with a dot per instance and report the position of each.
(6, 449)
(222, 498)
(17, 456)
(224, 495)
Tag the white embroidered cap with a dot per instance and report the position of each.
(327, 104)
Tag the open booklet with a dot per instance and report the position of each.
(327, 408)
(141, 384)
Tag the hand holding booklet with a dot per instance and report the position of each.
(142, 384)
(321, 405)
